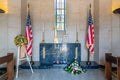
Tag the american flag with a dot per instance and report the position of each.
(29, 36)
(90, 34)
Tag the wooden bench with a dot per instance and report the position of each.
(9, 59)
(109, 59)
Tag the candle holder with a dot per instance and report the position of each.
(55, 36)
(77, 41)
(43, 40)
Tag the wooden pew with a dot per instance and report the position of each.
(109, 59)
(9, 59)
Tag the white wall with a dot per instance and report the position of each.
(10, 26)
(115, 29)
(105, 20)
(14, 23)
(96, 27)
(109, 29)
(3, 34)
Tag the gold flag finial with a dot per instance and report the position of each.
(28, 5)
(90, 10)
(90, 5)
(28, 8)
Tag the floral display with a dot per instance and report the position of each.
(20, 40)
(74, 68)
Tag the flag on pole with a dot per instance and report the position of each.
(90, 33)
(28, 34)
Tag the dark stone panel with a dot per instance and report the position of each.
(59, 53)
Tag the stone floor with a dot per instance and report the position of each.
(59, 74)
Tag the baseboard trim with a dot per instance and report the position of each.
(103, 67)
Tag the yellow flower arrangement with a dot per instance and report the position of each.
(20, 40)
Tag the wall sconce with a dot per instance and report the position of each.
(116, 11)
(2, 11)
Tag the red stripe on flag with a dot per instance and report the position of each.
(88, 41)
(91, 33)
(29, 47)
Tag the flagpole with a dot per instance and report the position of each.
(88, 62)
(31, 60)
(88, 58)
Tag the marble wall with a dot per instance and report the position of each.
(10, 26)
(96, 24)
(115, 35)
(3, 34)
(14, 24)
(105, 17)
(107, 27)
